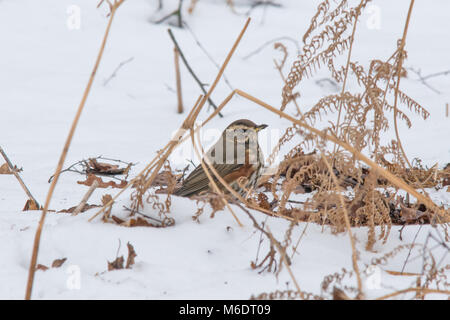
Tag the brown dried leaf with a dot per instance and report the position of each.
(131, 255)
(41, 267)
(86, 207)
(30, 205)
(4, 169)
(339, 294)
(411, 214)
(104, 168)
(105, 200)
(263, 201)
(117, 220)
(116, 264)
(101, 184)
(138, 222)
(58, 262)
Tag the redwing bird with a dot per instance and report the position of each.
(236, 154)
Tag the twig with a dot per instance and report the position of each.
(85, 198)
(423, 79)
(114, 74)
(260, 240)
(16, 174)
(118, 249)
(294, 251)
(347, 67)
(183, 58)
(144, 215)
(177, 13)
(85, 168)
(442, 73)
(37, 238)
(399, 69)
(277, 244)
(285, 260)
(178, 80)
(410, 249)
(265, 44)
(265, 3)
(197, 41)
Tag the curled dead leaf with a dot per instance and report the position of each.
(41, 267)
(4, 169)
(131, 255)
(339, 294)
(85, 208)
(411, 214)
(105, 168)
(116, 264)
(101, 184)
(105, 200)
(263, 201)
(58, 262)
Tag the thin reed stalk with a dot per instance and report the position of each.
(37, 238)
(399, 68)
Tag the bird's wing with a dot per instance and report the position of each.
(198, 181)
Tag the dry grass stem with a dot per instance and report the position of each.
(85, 198)
(399, 68)
(178, 80)
(32, 268)
(16, 174)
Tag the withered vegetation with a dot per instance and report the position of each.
(352, 177)
(345, 189)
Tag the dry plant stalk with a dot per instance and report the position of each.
(178, 80)
(400, 57)
(32, 268)
(85, 198)
(16, 174)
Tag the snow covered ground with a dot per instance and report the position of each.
(45, 62)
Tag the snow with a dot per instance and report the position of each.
(44, 69)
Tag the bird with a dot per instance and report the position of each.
(234, 156)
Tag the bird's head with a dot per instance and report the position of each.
(243, 130)
(238, 144)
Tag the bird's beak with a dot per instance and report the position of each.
(261, 127)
